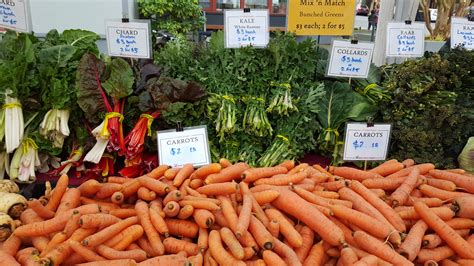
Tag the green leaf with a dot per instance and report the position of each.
(56, 56)
(119, 85)
(90, 74)
(83, 40)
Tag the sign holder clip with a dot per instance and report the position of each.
(179, 127)
(247, 10)
(370, 123)
(125, 18)
(354, 41)
(408, 22)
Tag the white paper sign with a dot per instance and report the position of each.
(189, 146)
(405, 40)
(462, 33)
(246, 28)
(350, 60)
(15, 15)
(131, 39)
(363, 143)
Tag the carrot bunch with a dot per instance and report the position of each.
(398, 213)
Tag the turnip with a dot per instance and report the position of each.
(12, 204)
(8, 186)
(7, 225)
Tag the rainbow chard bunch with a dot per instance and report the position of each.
(93, 89)
(17, 78)
(24, 162)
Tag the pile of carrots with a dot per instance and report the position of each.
(399, 213)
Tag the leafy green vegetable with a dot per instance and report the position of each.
(119, 84)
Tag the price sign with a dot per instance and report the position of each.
(15, 15)
(321, 17)
(405, 40)
(130, 39)
(176, 148)
(363, 143)
(462, 33)
(350, 59)
(246, 28)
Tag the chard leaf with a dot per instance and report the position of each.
(83, 40)
(90, 74)
(119, 85)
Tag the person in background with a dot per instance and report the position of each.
(373, 19)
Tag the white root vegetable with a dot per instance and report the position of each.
(9, 186)
(12, 204)
(7, 225)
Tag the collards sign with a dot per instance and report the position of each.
(350, 60)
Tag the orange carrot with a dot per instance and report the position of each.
(384, 183)
(158, 222)
(182, 228)
(166, 260)
(376, 247)
(288, 164)
(97, 220)
(204, 171)
(171, 173)
(424, 168)
(58, 192)
(203, 218)
(173, 245)
(387, 168)
(308, 236)
(430, 202)
(224, 162)
(266, 196)
(185, 212)
(436, 254)
(196, 183)
(408, 162)
(274, 228)
(228, 174)
(400, 195)
(244, 216)
(86, 253)
(203, 239)
(73, 224)
(335, 185)
(368, 261)
(219, 189)
(159, 187)
(131, 234)
(433, 192)
(232, 243)
(260, 233)
(123, 213)
(53, 225)
(321, 169)
(89, 188)
(286, 252)
(158, 171)
(197, 259)
(62, 251)
(146, 194)
(316, 255)
(271, 258)
(171, 209)
(70, 200)
(183, 188)
(283, 179)
(325, 202)
(380, 205)
(143, 214)
(348, 256)
(183, 174)
(253, 174)
(11, 245)
(54, 242)
(9, 260)
(294, 205)
(352, 173)
(412, 243)
(462, 181)
(457, 171)
(326, 194)
(112, 254)
(117, 180)
(130, 188)
(441, 184)
(28, 257)
(362, 220)
(108, 189)
(433, 240)
(40, 209)
(465, 207)
(173, 196)
(443, 212)
(218, 252)
(286, 229)
(456, 242)
(108, 232)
